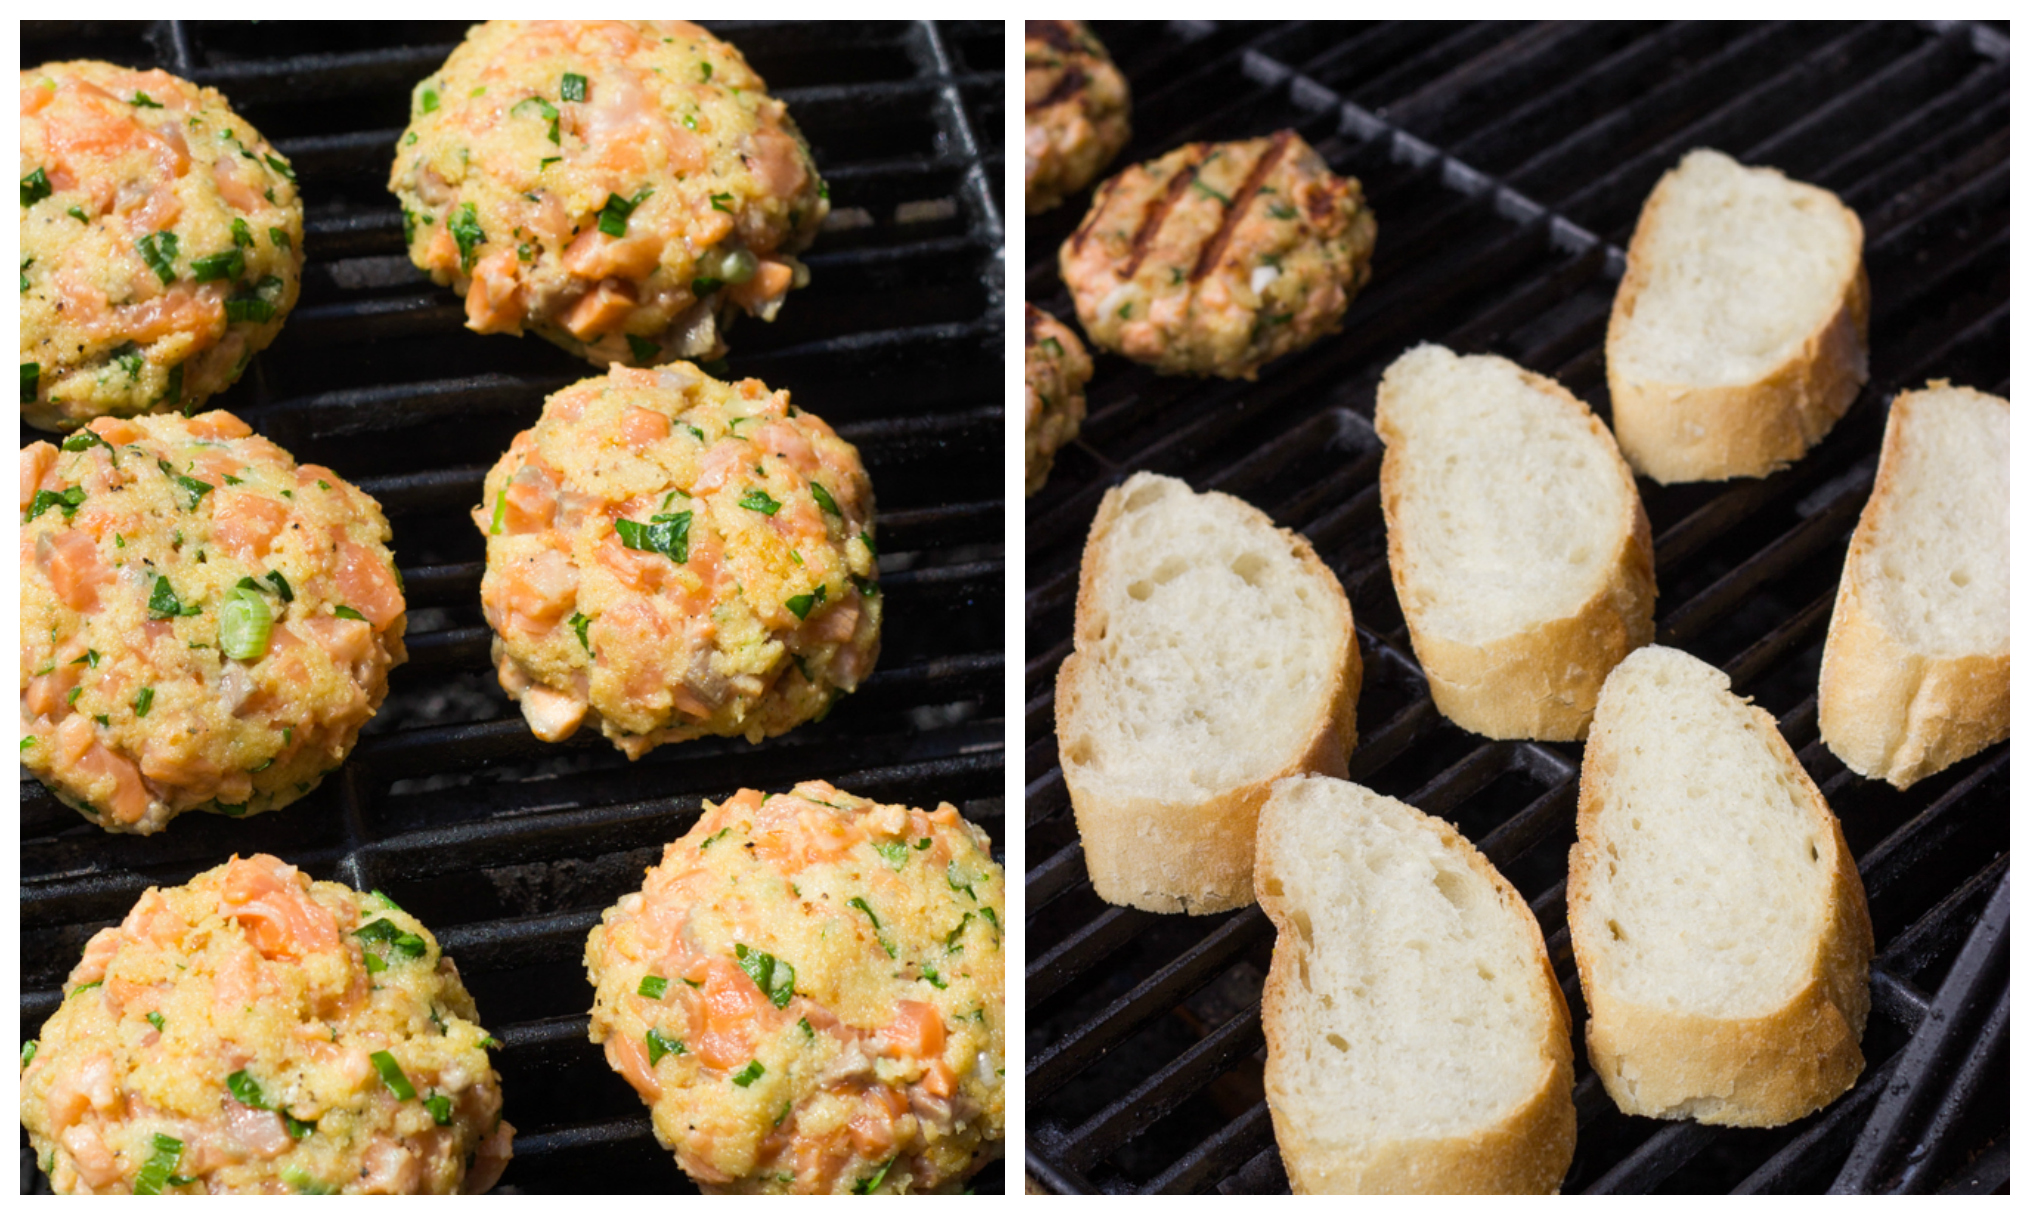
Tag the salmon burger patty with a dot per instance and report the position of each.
(1055, 368)
(1074, 113)
(255, 1032)
(807, 992)
(674, 557)
(1216, 258)
(620, 188)
(205, 624)
(161, 243)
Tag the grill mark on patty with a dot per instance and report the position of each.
(1214, 249)
(1051, 33)
(1158, 209)
(1066, 88)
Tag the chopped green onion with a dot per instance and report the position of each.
(719, 201)
(161, 1166)
(67, 501)
(35, 187)
(542, 109)
(775, 977)
(243, 236)
(297, 1128)
(709, 841)
(228, 265)
(257, 304)
(385, 932)
(145, 102)
(391, 1075)
(158, 249)
(931, 977)
(952, 875)
(280, 166)
(991, 917)
(82, 988)
(28, 1050)
(579, 622)
(144, 700)
(499, 513)
(573, 88)
(652, 987)
(705, 70)
(439, 1106)
(749, 1074)
(758, 500)
(895, 852)
(281, 585)
(429, 100)
(78, 214)
(660, 1045)
(613, 217)
(668, 534)
(155, 1019)
(344, 612)
(280, 239)
(466, 231)
(302, 1182)
(804, 1024)
(244, 625)
(825, 501)
(644, 349)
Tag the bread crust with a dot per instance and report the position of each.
(1765, 1070)
(1527, 1152)
(1543, 682)
(1674, 432)
(1888, 711)
(1194, 857)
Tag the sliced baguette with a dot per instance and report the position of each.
(1213, 653)
(1717, 917)
(1418, 1040)
(1740, 331)
(1518, 545)
(1916, 672)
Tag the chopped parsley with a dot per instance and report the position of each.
(158, 249)
(895, 852)
(704, 70)
(825, 502)
(245, 1090)
(758, 500)
(613, 217)
(668, 534)
(131, 360)
(279, 239)
(579, 622)
(347, 613)
(871, 1184)
(543, 110)
(775, 977)
(466, 231)
(243, 236)
(930, 976)
(67, 501)
(573, 87)
(35, 187)
(952, 937)
(800, 605)
(879, 937)
(144, 700)
(257, 303)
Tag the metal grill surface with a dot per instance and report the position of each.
(506, 847)
(1507, 163)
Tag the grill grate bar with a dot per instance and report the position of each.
(1140, 1108)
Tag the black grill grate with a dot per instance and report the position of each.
(506, 847)
(1507, 163)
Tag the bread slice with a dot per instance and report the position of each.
(1718, 920)
(1213, 653)
(1916, 672)
(1518, 545)
(1418, 1041)
(1740, 331)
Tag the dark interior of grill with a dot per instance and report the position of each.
(509, 848)
(1507, 163)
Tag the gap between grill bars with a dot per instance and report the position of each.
(506, 847)
(1506, 163)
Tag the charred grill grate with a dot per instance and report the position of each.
(506, 847)
(1507, 163)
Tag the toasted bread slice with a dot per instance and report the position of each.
(1740, 331)
(1418, 1041)
(1213, 653)
(1717, 918)
(1916, 673)
(1518, 545)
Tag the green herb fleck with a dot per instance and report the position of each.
(659, 1045)
(644, 349)
(579, 623)
(857, 901)
(280, 239)
(391, 1075)
(35, 187)
(825, 501)
(158, 249)
(749, 1074)
(163, 603)
(227, 265)
(145, 102)
(573, 87)
(668, 534)
(871, 1184)
(439, 1106)
(161, 1166)
(345, 612)
(758, 500)
(466, 231)
(895, 852)
(144, 700)
(613, 216)
(155, 1019)
(775, 978)
(652, 987)
(719, 201)
(800, 605)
